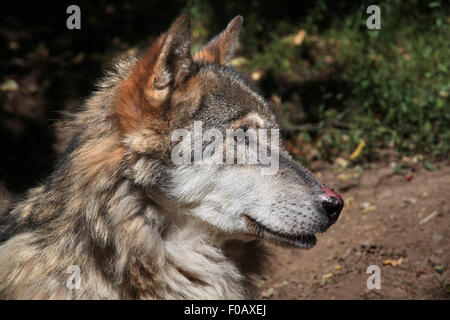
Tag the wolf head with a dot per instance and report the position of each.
(168, 89)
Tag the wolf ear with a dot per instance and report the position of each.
(220, 49)
(166, 64)
(174, 60)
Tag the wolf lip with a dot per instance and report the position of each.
(304, 241)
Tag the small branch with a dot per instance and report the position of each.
(316, 127)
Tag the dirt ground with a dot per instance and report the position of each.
(397, 222)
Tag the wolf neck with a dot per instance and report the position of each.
(160, 256)
(150, 253)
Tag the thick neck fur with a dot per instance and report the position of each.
(94, 213)
(125, 248)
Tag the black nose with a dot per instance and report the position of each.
(332, 203)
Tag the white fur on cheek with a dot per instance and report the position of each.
(224, 193)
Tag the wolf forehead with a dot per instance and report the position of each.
(217, 95)
(220, 95)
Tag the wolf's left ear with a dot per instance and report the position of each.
(220, 49)
(165, 65)
(174, 61)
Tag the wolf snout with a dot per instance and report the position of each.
(332, 204)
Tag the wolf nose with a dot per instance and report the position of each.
(332, 203)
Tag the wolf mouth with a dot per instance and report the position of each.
(305, 241)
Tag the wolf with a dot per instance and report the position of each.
(131, 222)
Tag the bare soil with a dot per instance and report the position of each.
(404, 229)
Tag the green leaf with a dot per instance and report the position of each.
(397, 168)
(442, 67)
(439, 269)
(434, 4)
(429, 165)
(426, 53)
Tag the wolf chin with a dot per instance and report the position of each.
(136, 225)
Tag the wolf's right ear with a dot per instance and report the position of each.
(220, 50)
(166, 64)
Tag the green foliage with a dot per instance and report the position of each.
(389, 87)
(399, 80)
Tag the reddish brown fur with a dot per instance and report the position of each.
(220, 49)
(130, 103)
(93, 161)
